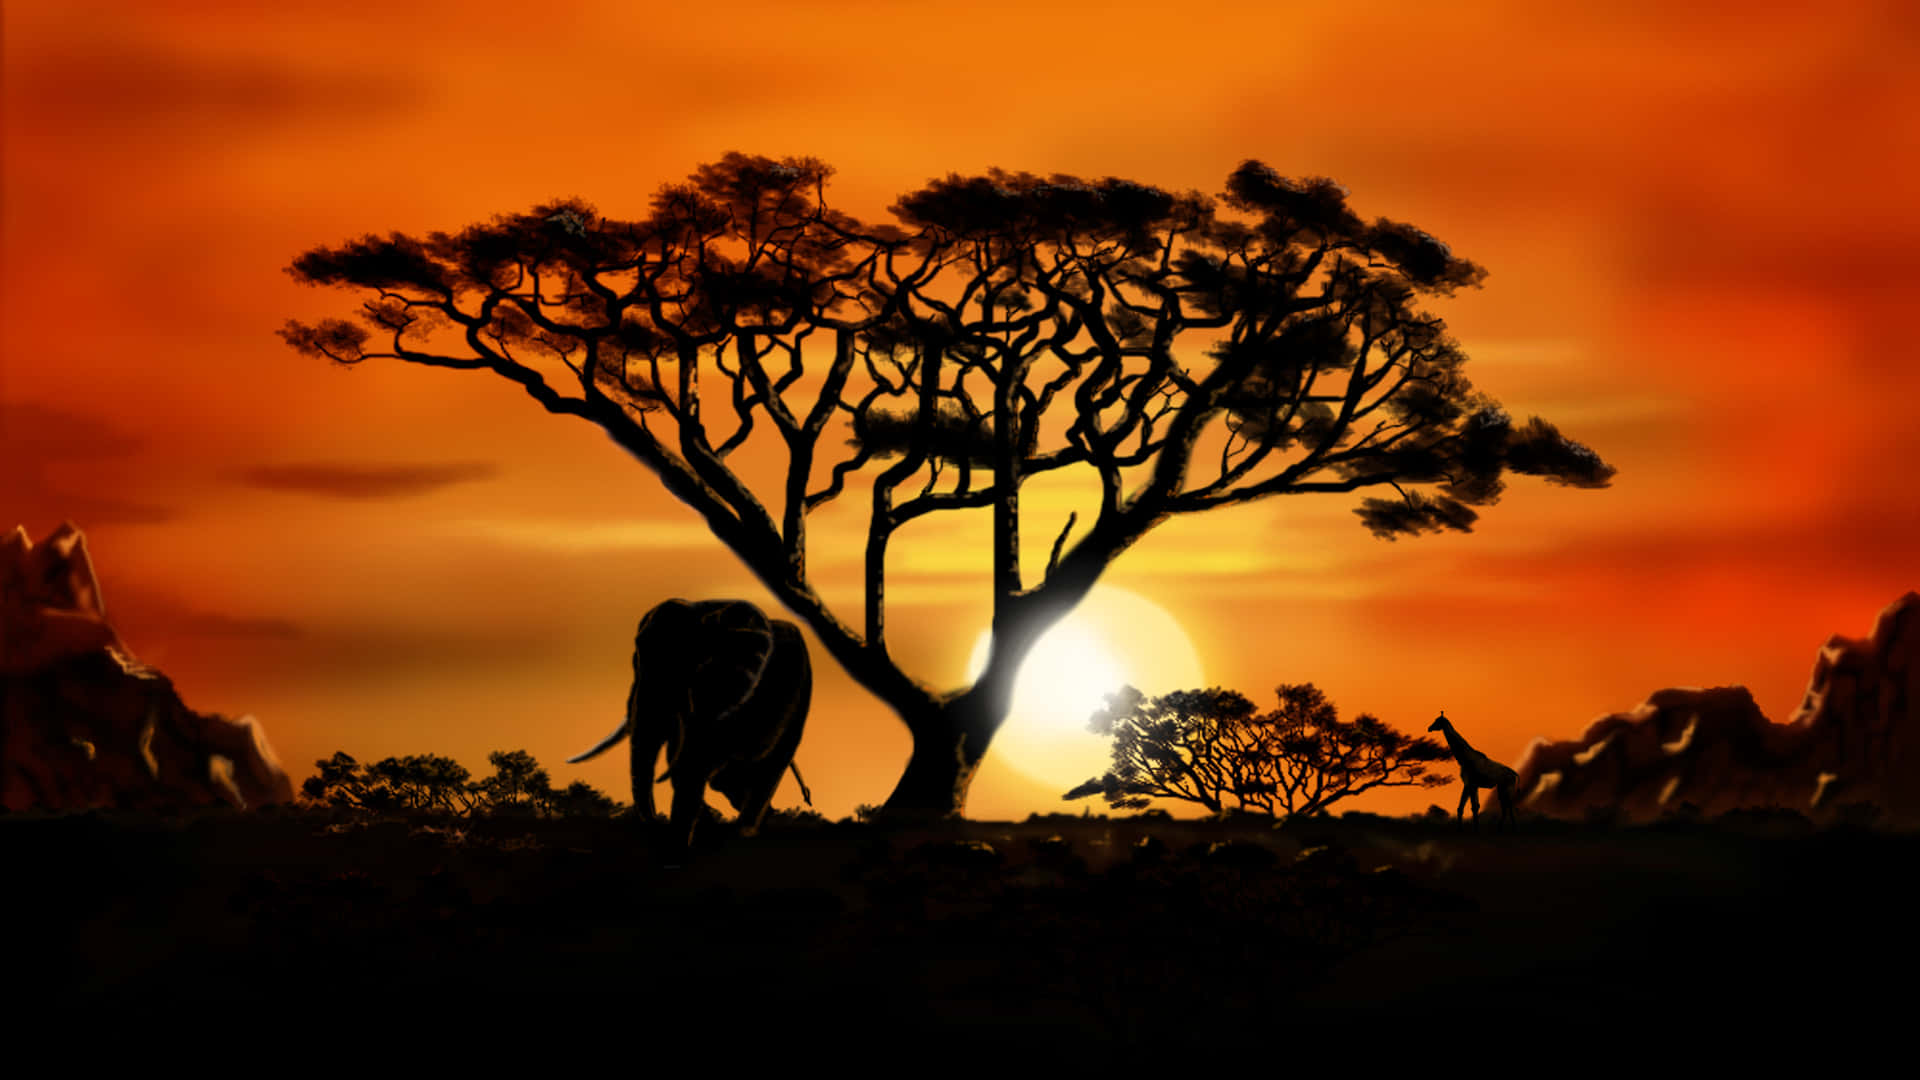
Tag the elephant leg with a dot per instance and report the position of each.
(753, 806)
(689, 805)
(751, 790)
(749, 786)
(734, 780)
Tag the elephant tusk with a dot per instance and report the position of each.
(618, 734)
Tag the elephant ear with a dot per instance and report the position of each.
(734, 642)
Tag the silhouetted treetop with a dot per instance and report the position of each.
(1314, 212)
(1021, 206)
(397, 261)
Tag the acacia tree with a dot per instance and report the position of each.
(1007, 327)
(518, 784)
(1208, 746)
(340, 782)
(1189, 745)
(1316, 759)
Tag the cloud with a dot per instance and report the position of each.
(34, 436)
(151, 610)
(370, 650)
(365, 481)
(113, 80)
(216, 625)
(581, 537)
(1857, 538)
(42, 433)
(95, 510)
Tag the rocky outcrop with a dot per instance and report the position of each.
(83, 724)
(1855, 739)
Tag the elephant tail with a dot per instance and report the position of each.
(804, 793)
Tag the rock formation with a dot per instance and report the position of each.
(83, 724)
(1855, 739)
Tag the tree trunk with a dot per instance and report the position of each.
(951, 734)
(950, 740)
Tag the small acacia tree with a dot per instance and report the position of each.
(1181, 353)
(340, 782)
(518, 784)
(1209, 746)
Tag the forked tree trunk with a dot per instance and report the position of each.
(951, 735)
(949, 742)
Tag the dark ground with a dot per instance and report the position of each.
(1073, 947)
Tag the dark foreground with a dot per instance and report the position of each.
(1066, 938)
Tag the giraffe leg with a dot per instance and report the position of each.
(1474, 792)
(1460, 812)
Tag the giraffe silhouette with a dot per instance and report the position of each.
(1477, 771)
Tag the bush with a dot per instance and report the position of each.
(1065, 819)
(579, 799)
(794, 819)
(429, 783)
(1212, 748)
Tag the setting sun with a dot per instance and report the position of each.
(1113, 639)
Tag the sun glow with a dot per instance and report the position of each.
(1114, 638)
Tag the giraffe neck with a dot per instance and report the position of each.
(1461, 750)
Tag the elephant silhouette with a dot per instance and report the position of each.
(726, 690)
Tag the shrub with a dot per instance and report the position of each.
(1212, 748)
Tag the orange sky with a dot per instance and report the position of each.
(1697, 219)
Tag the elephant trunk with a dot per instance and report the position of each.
(643, 749)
